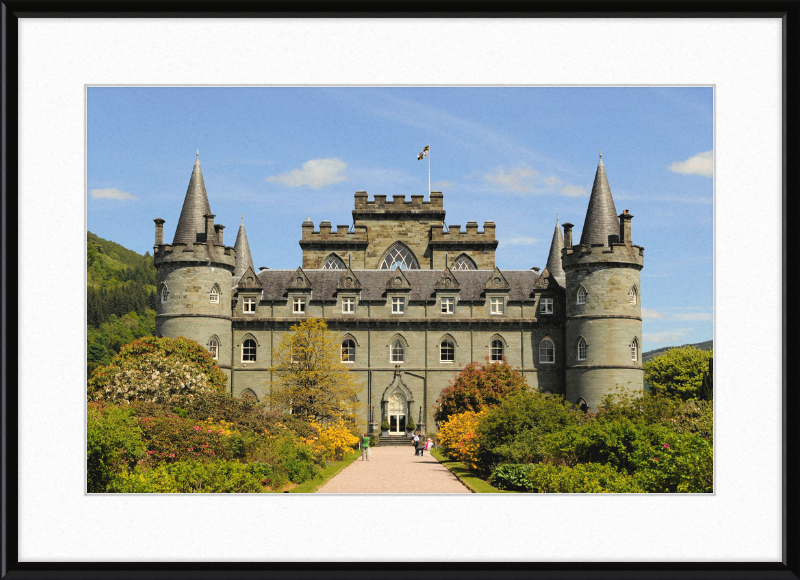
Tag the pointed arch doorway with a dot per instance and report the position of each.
(397, 407)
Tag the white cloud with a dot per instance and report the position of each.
(526, 181)
(315, 173)
(111, 193)
(700, 164)
(520, 241)
(666, 336)
(695, 316)
(441, 185)
(648, 313)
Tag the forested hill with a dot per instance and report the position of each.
(120, 298)
(646, 356)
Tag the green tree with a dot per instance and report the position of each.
(478, 386)
(678, 372)
(311, 381)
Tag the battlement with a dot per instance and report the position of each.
(398, 207)
(342, 237)
(616, 252)
(220, 255)
(469, 238)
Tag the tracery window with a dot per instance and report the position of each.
(464, 262)
(635, 350)
(348, 350)
(164, 294)
(582, 348)
(213, 295)
(397, 352)
(333, 262)
(497, 350)
(632, 295)
(213, 348)
(581, 295)
(399, 256)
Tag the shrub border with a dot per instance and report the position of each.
(474, 483)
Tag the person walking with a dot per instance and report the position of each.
(416, 443)
(365, 449)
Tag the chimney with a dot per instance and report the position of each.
(567, 235)
(159, 231)
(218, 231)
(209, 227)
(625, 227)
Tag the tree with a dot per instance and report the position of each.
(706, 392)
(477, 387)
(678, 372)
(159, 370)
(312, 383)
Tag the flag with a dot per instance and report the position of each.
(424, 153)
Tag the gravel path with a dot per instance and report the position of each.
(395, 470)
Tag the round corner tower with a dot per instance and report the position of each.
(603, 314)
(194, 277)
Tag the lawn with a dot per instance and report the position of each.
(472, 481)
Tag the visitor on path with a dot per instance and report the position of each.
(428, 444)
(365, 449)
(416, 443)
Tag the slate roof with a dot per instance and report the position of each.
(554, 258)
(601, 217)
(373, 282)
(195, 207)
(243, 258)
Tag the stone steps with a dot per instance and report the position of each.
(395, 441)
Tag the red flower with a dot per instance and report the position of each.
(655, 458)
(666, 445)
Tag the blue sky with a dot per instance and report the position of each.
(516, 156)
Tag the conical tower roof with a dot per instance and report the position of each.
(195, 207)
(554, 258)
(243, 258)
(601, 217)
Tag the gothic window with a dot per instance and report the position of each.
(213, 348)
(213, 295)
(333, 262)
(249, 350)
(348, 350)
(248, 394)
(497, 305)
(582, 348)
(547, 351)
(464, 262)
(397, 352)
(581, 295)
(348, 305)
(448, 305)
(249, 306)
(164, 294)
(497, 350)
(399, 256)
(546, 306)
(299, 305)
(398, 305)
(447, 351)
(635, 350)
(632, 295)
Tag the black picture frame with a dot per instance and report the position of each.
(13, 10)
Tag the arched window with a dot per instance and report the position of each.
(249, 394)
(447, 351)
(397, 352)
(249, 350)
(399, 256)
(581, 404)
(497, 350)
(464, 262)
(582, 348)
(635, 350)
(348, 350)
(213, 348)
(164, 294)
(213, 295)
(632, 295)
(581, 295)
(547, 351)
(333, 262)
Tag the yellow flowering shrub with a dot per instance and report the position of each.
(333, 440)
(459, 437)
(220, 427)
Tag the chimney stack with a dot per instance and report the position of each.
(567, 235)
(625, 227)
(159, 231)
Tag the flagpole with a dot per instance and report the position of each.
(429, 168)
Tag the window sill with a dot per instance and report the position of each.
(447, 362)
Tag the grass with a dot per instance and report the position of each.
(472, 481)
(312, 485)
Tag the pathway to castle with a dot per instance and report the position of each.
(395, 470)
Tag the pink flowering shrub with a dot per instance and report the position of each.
(170, 438)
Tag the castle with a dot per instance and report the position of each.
(412, 301)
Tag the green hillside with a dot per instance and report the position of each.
(646, 356)
(110, 264)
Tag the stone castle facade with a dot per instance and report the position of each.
(412, 301)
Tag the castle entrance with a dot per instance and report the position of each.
(397, 413)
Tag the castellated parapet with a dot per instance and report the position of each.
(603, 308)
(398, 206)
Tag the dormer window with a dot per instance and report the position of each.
(546, 306)
(249, 306)
(496, 305)
(448, 305)
(398, 305)
(348, 305)
(299, 305)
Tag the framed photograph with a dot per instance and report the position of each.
(84, 83)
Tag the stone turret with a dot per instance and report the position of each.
(243, 258)
(603, 296)
(194, 276)
(554, 258)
